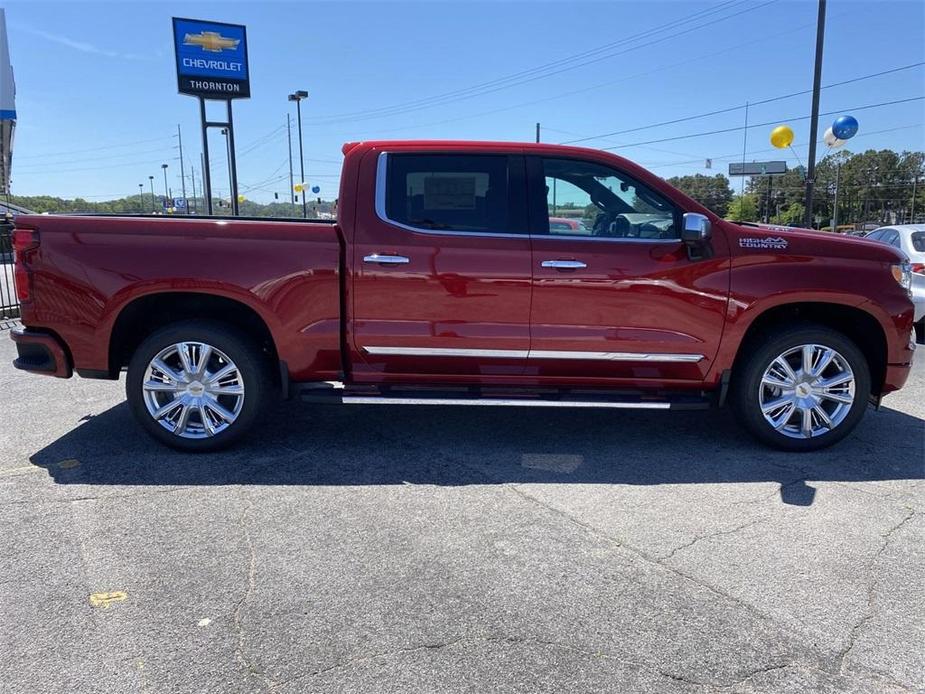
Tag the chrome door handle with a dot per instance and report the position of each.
(386, 259)
(564, 264)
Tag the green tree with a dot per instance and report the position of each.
(713, 192)
(743, 208)
(792, 216)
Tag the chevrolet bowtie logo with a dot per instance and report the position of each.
(210, 41)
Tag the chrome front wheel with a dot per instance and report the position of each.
(193, 390)
(807, 391)
(801, 388)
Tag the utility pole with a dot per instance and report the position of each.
(182, 170)
(537, 132)
(192, 178)
(207, 204)
(814, 118)
(767, 209)
(915, 182)
(297, 97)
(870, 177)
(744, 148)
(835, 204)
(289, 137)
(151, 181)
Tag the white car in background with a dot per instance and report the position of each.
(909, 238)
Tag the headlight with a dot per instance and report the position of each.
(902, 273)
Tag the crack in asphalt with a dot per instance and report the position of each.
(543, 643)
(872, 582)
(718, 533)
(103, 497)
(652, 559)
(240, 652)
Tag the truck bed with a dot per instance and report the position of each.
(89, 268)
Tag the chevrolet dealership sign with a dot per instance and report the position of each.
(211, 59)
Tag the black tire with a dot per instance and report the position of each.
(746, 384)
(252, 366)
(920, 332)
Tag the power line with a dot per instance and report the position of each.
(760, 125)
(94, 149)
(45, 171)
(741, 106)
(593, 87)
(515, 80)
(737, 155)
(47, 165)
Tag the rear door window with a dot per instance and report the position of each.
(918, 241)
(455, 192)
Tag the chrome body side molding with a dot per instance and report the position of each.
(532, 354)
(499, 402)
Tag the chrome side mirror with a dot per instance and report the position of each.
(695, 228)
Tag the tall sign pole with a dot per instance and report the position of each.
(212, 65)
(291, 182)
(7, 110)
(814, 118)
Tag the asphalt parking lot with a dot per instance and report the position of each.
(415, 549)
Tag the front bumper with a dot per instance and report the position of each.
(41, 353)
(918, 300)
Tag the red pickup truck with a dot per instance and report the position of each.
(443, 282)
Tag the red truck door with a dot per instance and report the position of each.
(441, 276)
(618, 297)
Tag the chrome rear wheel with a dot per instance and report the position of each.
(193, 390)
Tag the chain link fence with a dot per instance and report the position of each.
(9, 301)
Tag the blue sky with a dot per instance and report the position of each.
(98, 107)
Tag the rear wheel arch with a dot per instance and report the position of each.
(147, 314)
(858, 325)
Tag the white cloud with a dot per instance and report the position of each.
(82, 46)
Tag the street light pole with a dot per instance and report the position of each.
(228, 154)
(814, 118)
(151, 181)
(297, 97)
(166, 192)
(141, 197)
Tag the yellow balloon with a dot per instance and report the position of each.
(240, 198)
(782, 136)
(298, 187)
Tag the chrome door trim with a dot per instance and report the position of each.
(606, 239)
(386, 259)
(531, 354)
(564, 264)
(499, 402)
(447, 352)
(382, 164)
(614, 356)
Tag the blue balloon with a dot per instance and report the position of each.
(317, 189)
(845, 127)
